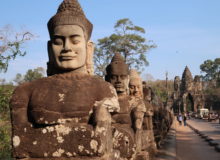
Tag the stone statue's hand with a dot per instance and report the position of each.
(149, 113)
(111, 104)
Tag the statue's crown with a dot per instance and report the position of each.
(117, 63)
(70, 13)
(117, 58)
(134, 75)
(70, 6)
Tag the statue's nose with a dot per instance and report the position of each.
(67, 47)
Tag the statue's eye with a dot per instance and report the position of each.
(58, 41)
(123, 77)
(75, 40)
(131, 87)
(113, 77)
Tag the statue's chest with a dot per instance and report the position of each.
(63, 96)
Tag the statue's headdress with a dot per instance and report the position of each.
(70, 13)
(134, 76)
(117, 63)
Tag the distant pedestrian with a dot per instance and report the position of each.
(180, 119)
(184, 119)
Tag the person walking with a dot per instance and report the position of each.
(180, 119)
(184, 119)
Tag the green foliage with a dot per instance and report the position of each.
(5, 125)
(127, 40)
(212, 81)
(11, 45)
(211, 70)
(212, 96)
(34, 74)
(31, 74)
(5, 143)
(160, 89)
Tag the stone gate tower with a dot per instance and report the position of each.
(188, 94)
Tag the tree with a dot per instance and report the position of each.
(211, 70)
(31, 74)
(19, 79)
(160, 89)
(11, 45)
(127, 40)
(34, 74)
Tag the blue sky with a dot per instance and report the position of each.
(186, 32)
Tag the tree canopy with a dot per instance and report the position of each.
(127, 40)
(211, 70)
(31, 74)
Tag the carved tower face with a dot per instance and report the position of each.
(68, 47)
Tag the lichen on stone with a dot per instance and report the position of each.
(81, 147)
(16, 141)
(44, 131)
(101, 130)
(69, 154)
(60, 139)
(35, 142)
(61, 97)
(50, 129)
(45, 154)
(58, 153)
(94, 145)
(62, 130)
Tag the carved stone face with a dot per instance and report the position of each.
(135, 88)
(68, 47)
(147, 94)
(119, 79)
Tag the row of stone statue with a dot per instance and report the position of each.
(74, 115)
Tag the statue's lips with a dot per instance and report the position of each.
(67, 58)
(118, 86)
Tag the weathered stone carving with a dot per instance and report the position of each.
(188, 95)
(137, 95)
(118, 76)
(67, 115)
(128, 121)
(162, 115)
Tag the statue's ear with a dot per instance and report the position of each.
(49, 50)
(89, 59)
(50, 63)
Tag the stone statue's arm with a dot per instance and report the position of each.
(18, 105)
(110, 103)
(139, 112)
(149, 109)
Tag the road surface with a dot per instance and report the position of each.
(190, 146)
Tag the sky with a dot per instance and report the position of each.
(186, 32)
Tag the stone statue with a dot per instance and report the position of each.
(128, 121)
(177, 83)
(68, 114)
(148, 142)
(160, 117)
(136, 99)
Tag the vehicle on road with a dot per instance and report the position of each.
(203, 113)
